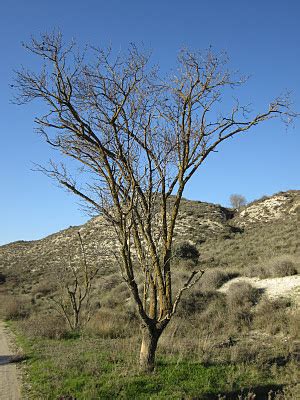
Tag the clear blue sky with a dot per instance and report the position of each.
(262, 39)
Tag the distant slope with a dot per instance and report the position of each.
(269, 227)
(225, 238)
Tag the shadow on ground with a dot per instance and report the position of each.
(11, 359)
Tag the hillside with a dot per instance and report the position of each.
(236, 332)
(265, 228)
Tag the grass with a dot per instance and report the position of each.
(86, 368)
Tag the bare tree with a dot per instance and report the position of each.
(237, 201)
(74, 281)
(138, 139)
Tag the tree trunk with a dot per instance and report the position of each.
(150, 338)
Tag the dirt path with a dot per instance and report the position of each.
(9, 382)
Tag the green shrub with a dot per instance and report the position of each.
(186, 250)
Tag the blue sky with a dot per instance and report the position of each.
(262, 39)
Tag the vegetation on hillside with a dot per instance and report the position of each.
(222, 344)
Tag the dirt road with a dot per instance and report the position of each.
(9, 382)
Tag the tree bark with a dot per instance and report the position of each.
(150, 338)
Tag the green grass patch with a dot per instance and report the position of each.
(103, 369)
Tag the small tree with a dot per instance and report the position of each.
(237, 201)
(138, 139)
(74, 281)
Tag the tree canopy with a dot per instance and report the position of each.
(138, 138)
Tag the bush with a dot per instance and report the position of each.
(215, 315)
(45, 326)
(241, 298)
(115, 297)
(245, 353)
(242, 294)
(289, 392)
(196, 302)
(276, 267)
(43, 289)
(272, 316)
(109, 324)
(215, 278)
(186, 250)
(283, 267)
(258, 270)
(15, 308)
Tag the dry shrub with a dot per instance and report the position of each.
(215, 278)
(110, 282)
(276, 267)
(15, 308)
(185, 265)
(215, 316)
(242, 294)
(241, 298)
(245, 353)
(196, 302)
(43, 289)
(110, 324)
(45, 326)
(283, 266)
(274, 316)
(115, 297)
(290, 392)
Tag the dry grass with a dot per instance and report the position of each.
(14, 308)
(111, 324)
(241, 297)
(45, 326)
(43, 289)
(277, 317)
(242, 294)
(290, 392)
(279, 266)
(215, 278)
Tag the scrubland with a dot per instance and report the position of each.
(237, 343)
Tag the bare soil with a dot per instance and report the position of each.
(287, 287)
